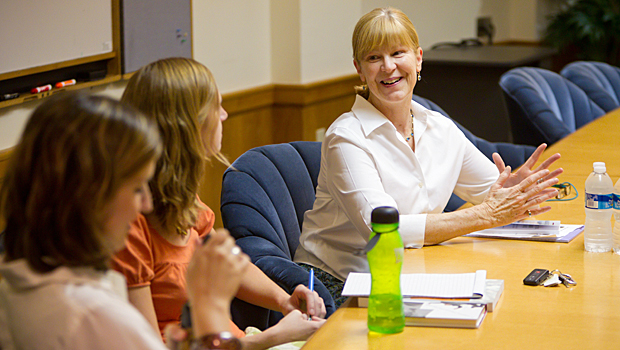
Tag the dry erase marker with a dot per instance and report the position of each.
(5, 97)
(65, 83)
(36, 90)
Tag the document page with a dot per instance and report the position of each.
(462, 285)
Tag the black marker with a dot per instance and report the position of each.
(5, 97)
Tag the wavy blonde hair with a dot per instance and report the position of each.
(181, 96)
(75, 153)
(379, 28)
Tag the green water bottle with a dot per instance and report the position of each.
(385, 304)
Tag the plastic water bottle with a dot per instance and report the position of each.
(616, 230)
(385, 304)
(599, 207)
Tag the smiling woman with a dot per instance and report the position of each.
(391, 151)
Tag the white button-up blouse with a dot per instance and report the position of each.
(366, 163)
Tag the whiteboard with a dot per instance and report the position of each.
(39, 32)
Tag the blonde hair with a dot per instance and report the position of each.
(181, 96)
(75, 153)
(381, 27)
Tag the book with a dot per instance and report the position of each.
(532, 230)
(492, 292)
(458, 285)
(441, 314)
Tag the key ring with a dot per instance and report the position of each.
(566, 279)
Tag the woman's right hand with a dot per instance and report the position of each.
(296, 326)
(213, 277)
(504, 205)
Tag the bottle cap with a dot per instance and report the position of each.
(599, 167)
(384, 215)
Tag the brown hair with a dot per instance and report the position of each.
(378, 28)
(75, 153)
(181, 96)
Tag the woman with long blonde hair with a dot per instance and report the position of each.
(181, 96)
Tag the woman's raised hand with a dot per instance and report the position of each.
(504, 205)
(526, 169)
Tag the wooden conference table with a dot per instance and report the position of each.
(583, 317)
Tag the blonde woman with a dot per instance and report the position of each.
(181, 97)
(76, 180)
(390, 151)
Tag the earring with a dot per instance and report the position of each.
(419, 76)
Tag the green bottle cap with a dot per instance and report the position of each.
(384, 215)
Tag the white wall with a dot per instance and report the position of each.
(252, 43)
(326, 29)
(436, 20)
(233, 39)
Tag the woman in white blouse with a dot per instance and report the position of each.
(391, 151)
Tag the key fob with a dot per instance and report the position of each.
(536, 277)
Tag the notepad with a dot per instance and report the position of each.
(429, 285)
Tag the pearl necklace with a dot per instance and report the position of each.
(410, 137)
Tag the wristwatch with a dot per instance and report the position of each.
(216, 341)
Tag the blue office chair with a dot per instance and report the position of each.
(543, 106)
(264, 197)
(513, 155)
(600, 81)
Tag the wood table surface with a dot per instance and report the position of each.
(583, 317)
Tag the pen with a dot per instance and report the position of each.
(311, 286)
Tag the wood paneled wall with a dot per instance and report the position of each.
(275, 114)
(267, 115)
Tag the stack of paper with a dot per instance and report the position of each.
(533, 230)
(492, 293)
(437, 300)
(440, 314)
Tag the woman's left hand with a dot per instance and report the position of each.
(305, 301)
(526, 169)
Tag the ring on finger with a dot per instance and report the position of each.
(529, 213)
(235, 250)
(539, 181)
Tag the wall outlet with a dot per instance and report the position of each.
(319, 134)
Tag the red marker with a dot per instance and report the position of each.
(36, 90)
(65, 83)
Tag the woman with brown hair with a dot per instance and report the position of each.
(75, 181)
(181, 97)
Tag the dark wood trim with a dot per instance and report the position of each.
(247, 100)
(306, 94)
(64, 64)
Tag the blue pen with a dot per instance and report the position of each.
(311, 286)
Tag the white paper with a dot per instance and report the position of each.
(461, 285)
(502, 232)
